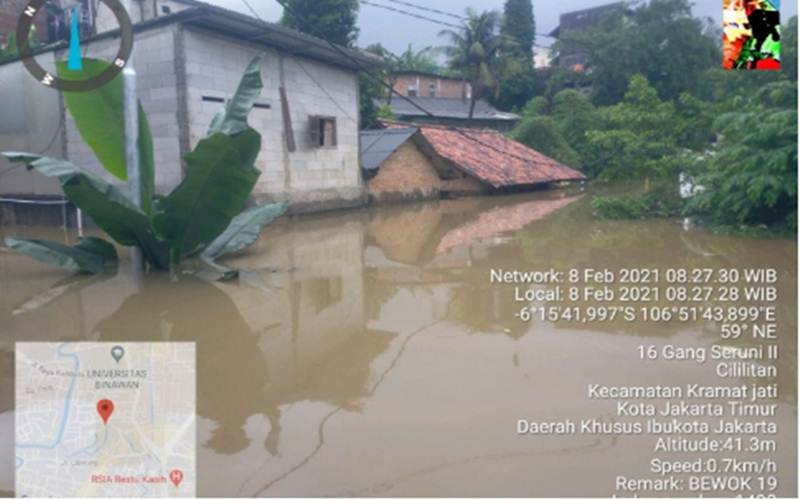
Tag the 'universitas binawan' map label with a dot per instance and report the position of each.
(105, 420)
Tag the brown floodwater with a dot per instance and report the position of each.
(365, 353)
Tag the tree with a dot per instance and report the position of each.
(635, 138)
(9, 49)
(416, 60)
(659, 40)
(519, 25)
(789, 49)
(518, 82)
(541, 133)
(474, 52)
(333, 20)
(751, 179)
(575, 116)
(371, 89)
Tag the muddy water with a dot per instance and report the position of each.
(366, 353)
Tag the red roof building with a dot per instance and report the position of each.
(494, 159)
(432, 160)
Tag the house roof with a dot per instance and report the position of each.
(255, 30)
(493, 158)
(251, 30)
(378, 145)
(448, 108)
(431, 74)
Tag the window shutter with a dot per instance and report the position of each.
(315, 131)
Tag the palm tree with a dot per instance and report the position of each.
(474, 52)
(421, 60)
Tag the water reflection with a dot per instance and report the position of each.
(373, 357)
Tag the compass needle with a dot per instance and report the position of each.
(79, 76)
(75, 63)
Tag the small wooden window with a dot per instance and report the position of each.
(323, 132)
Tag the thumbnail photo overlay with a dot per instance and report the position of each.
(752, 34)
(97, 419)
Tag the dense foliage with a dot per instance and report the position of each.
(752, 178)
(659, 40)
(655, 105)
(332, 20)
(474, 53)
(9, 49)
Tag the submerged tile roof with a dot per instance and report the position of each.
(493, 158)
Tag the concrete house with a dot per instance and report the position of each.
(189, 57)
(432, 98)
(420, 83)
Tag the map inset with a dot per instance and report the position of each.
(105, 420)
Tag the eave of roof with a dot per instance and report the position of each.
(457, 109)
(248, 29)
(428, 74)
(492, 158)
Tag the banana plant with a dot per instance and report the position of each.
(203, 217)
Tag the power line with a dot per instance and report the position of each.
(429, 9)
(442, 23)
(325, 91)
(436, 11)
(411, 14)
(380, 80)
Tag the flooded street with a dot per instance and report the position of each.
(366, 353)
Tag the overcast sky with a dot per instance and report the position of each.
(395, 31)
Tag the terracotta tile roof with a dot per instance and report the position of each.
(493, 158)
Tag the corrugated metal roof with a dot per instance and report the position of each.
(448, 108)
(378, 145)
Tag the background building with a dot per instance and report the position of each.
(571, 56)
(420, 84)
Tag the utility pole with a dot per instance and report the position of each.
(131, 113)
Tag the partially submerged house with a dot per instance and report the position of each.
(428, 161)
(189, 57)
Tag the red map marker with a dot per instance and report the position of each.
(105, 408)
(176, 477)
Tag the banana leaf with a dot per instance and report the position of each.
(244, 230)
(90, 255)
(100, 120)
(108, 207)
(219, 179)
(233, 119)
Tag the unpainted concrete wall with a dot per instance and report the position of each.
(30, 121)
(406, 174)
(310, 178)
(176, 67)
